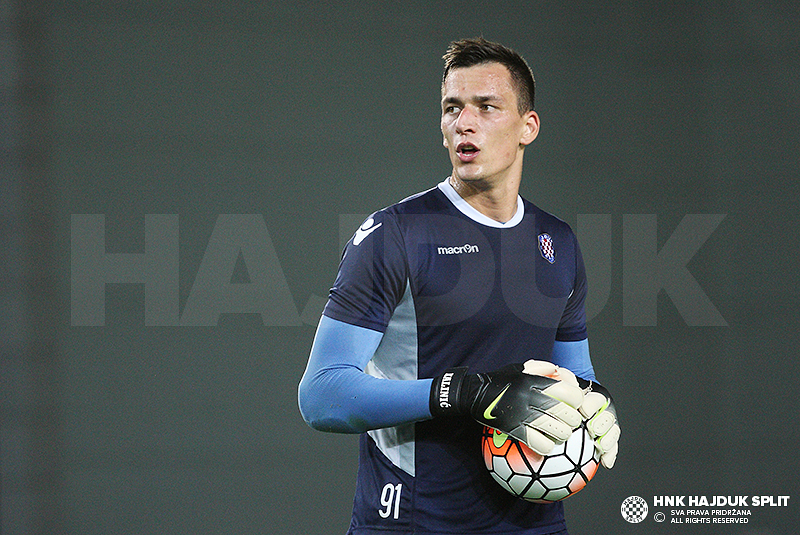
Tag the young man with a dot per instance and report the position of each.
(439, 301)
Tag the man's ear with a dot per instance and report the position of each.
(530, 129)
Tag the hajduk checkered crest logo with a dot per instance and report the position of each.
(546, 247)
(634, 509)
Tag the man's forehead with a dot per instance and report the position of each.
(491, 76)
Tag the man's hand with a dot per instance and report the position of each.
(535, 402)
(601, 420)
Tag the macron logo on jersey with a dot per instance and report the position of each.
(463, 249)
(365, 230)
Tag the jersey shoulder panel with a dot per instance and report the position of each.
(373, 272)
(372, 275)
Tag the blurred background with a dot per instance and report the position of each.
(247, 139)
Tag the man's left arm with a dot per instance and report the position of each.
(574, 356)
(598, 406)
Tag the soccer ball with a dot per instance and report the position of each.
(536, 478)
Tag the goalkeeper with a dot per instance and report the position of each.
(449, 312)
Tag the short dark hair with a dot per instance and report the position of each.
(477, 51)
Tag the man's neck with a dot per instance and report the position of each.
(495, 201)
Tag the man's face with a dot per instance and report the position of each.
(483, 130)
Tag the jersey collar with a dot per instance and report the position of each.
(465, 208)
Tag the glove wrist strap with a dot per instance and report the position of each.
(447, 391)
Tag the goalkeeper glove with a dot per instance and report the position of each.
(519, 400)
(601, 420)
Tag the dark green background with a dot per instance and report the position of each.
(307, 112)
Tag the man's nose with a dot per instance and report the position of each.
(465, 121)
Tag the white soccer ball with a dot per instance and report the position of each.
(533, 477)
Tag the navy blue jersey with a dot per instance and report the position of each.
(450, 287)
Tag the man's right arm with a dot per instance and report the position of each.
(336, 395)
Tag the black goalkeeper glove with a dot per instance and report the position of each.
(526, 401)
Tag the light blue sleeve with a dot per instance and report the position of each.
(336, 395)
(574, 356)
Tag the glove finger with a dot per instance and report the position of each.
(539, 367)
(600, 424)
(610, 457)
(552, 427)
(566, 393)
(567, 376)
(610, 439)
(537, 441)
(566, 414)
(592, 402)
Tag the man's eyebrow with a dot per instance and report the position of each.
(479, 99)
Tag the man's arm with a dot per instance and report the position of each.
(574, 356)
(598, 407)
(336, 395)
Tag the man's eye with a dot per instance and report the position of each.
(451, 109)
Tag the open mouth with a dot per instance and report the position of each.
(467, 151)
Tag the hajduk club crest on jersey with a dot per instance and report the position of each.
(546, 247)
